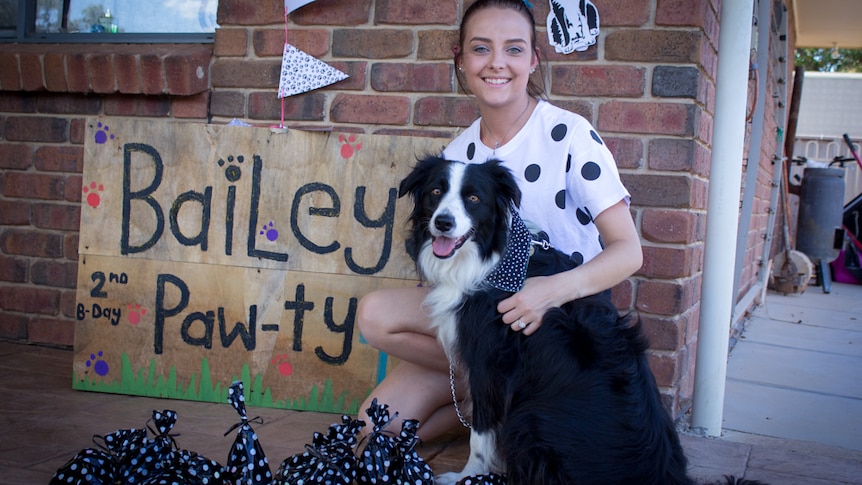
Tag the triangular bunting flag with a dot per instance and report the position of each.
(301, 72)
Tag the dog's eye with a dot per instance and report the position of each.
(436, 191)
(473, 198)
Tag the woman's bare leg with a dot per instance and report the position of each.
(394, 321)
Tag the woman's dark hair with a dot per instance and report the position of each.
(535, 88)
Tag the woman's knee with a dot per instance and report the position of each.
(368, 316)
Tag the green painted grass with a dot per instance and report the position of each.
(145, 382)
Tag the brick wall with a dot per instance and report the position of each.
(648, 86)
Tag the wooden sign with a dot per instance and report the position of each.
(215, 253)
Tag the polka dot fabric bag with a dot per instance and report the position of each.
(329, 460)
(380, 461)
(489, 479)
(414, 469)
(246, 463)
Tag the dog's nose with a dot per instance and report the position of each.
(443, 222)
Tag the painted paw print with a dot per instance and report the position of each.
(347, 150)
(284, 368)
(233, 172)
(97, 364)
(92, 191)
(135, 313)
(270, 231)
(102, 135)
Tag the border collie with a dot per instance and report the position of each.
(574, 403)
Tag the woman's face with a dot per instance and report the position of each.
(498, 56)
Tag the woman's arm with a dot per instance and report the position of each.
(621, 257)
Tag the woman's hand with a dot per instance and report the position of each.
(523, 311)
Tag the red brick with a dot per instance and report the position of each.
(445, 111)
(70, 247)
(74, 188)
(579, 106)
(356, 72)
(59, 274)
(642, 45)
(128, 77)
(412, 77)
(76, 131)
(589, 80)
(302, 107)
(333, 12)
(10, 77)
(152, 74)
(436, 45)
(191, 106)
(622, 295)
(313, 42)
(55, 72)
(664, 297)
(68, 303)
(69, 103)
(230, 73)
(187, 70)
(643, 117)
(31, 243)
(414, 133)
(13, 326)
(15, 156)
(415, 12)
(666, 367)
(29, 300)
(52, 332)
(372, 43)
(31, 71)
(230, 104)
(53, 158)
(157, 106)
(671, 226)
(14, 213)
(77, 74)
(385, 110)
(56, 217)
(32, 185)
(628, 152)
(669, 262)
(230, 42)
(667, 334)
(13, 270)
(681, 13)
(121, 105)
(671, 154)
(16, 102)
(40, 129)
(656, 190)
(628, 13)
(243, 12)
(100, 67)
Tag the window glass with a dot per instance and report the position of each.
(126, 16)
(8, 13)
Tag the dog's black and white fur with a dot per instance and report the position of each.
(574, 403)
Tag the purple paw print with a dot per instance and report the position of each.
(102, 134)
(270, 231)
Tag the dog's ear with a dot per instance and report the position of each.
(507, 188)
(413, 181)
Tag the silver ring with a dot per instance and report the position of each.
(521, 324)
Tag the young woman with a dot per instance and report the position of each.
(571, 190)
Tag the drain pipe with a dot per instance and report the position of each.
(723, 215)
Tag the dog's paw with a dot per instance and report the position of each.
(450, 478)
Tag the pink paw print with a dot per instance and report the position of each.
(284, 368)
(93, 197)
(347, 149)
(135, 313)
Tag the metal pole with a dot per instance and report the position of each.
(723, 214)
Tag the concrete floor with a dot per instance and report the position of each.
(792, 411)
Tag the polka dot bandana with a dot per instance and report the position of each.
(511, 272)
(489, 479)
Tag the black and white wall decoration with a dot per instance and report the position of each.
(573, 25)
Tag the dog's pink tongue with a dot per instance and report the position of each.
(443, 246)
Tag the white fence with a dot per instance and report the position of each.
(821, 151)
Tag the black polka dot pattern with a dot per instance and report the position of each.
(471, 151)
(489, 479)
(591, 171)
(511, 271)
(328, 460)
(584, 216)
(532, 172)
(246, 464)
(596, 137)
(559, 132)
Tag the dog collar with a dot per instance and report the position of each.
(511, 271)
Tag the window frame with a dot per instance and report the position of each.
(25, 32)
